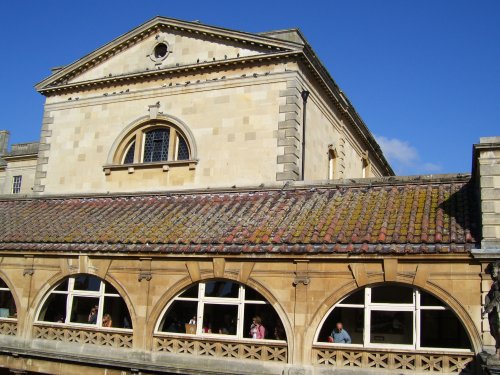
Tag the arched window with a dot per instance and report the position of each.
(85, 300)
(394, 316)
(365, 167)
(7, 305)
(155, 142)
(332, 164)
(222, 309)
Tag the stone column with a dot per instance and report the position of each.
(487, 171)
(486, 175)
(300, 318)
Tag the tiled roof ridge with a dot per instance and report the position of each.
(428, 217)
(352, 183)
(216, 248)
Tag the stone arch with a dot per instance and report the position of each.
(56, 279)
(179, 286)
(143, 121)
(350, 287)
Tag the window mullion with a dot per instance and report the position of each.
(139, 146)
(418, 320)
(200, 308)
(367, 318)
(241, 313)
(172, 144)
(100, 310)
(69, 306)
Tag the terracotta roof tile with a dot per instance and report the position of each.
(409, 218)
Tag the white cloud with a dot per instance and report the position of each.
(432, 167)
(405, 158)
(398, 151)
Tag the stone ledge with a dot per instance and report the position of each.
(289, 108)
(125, 359)
(287, 175)
(163, 165)
(288, 158)
(288, 124)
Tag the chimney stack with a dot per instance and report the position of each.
(4, 141)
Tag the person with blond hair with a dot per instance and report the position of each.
(106, 321)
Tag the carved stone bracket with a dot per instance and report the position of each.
(145, 270)
(28, 271)
(154, 110)
(28, 265)
(301, 273)
(145, 275)
(301, 279)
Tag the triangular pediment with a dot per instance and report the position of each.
(182, 44)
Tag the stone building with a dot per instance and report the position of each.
(192, 181)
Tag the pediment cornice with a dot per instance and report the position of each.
(156, 25)
(167, 72)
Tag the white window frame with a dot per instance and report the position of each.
(201, 300)
(414, 307)
(7, 289)
(17, 182)
(71, 292)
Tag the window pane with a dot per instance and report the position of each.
(220, 319)
(191, 292)
(84, 310)
(392, 327)
(109, 289)
(183, 150)
(442, 329)
(129, 156)
(272, 327)
(352, 320)
(63, 286)
(115, 313)
(86, 282)
(7, 305)
(2, 284)
(357, 298)
(427, 299)
(253, 295)
(156, 145)
(178, 315)
(392, 294)
(223, 289)
(54, 309)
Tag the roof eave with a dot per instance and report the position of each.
(318, 67)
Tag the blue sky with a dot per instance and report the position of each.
(424, 75)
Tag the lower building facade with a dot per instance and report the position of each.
(248, 281)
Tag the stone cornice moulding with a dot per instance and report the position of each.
(163, 72)
(161, 90)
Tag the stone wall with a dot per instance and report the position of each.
(301, 290)
(21, 166)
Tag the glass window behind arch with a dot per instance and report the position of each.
(156, 145)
